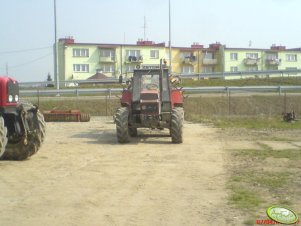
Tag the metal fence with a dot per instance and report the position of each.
(110, 91)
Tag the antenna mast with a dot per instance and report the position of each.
(144, 28)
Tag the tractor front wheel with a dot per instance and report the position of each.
(24, 149)
(176, 127)
(122, 121)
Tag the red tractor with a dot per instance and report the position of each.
(150, 101)
(22, 126)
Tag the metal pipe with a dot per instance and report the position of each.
(56, 73)
(170, 68)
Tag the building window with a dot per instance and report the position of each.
(271, 56)
(81, 52)
(234, 69)
(185, 55)
(135, 53)
(106, 68)
(107, 53)
(154, 54)
(253, 68)
(81, 67)
(187, 69)
(130, 68)
(207, 69)
(208, 55)
(291, 57)
(233, 56)
(252, 55)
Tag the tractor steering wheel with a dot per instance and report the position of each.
(152, 86)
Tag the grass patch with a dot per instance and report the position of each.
(291, 154)
(270, 180)
(244, 198)
(243, 82)
(255, 123)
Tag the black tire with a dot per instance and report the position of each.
(133, 131)
(176, 127)
(42, 125)
(122, 130)
(23, 150)
(3, 136)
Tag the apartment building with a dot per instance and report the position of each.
(80, 61)
(250, 59)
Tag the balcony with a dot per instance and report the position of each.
(109, 59)
(189, 59)
(134, 59)
(251, 61)
(209, 61)
(273, 61)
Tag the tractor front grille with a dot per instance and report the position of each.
(12, 90)
(150, 108)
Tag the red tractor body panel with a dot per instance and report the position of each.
(5, 82)
(177, 99)
(126, 98)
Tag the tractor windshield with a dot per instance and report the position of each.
(150, 82)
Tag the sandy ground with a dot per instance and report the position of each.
(82, 176)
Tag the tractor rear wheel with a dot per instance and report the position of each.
(176, 127)
(122, 122)
(3, 136)
(23, 150)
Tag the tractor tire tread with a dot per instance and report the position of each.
(122, 125)
(3, 136)
(176, 128)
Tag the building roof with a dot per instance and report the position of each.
(98, 76)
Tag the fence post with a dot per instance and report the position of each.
(77, 92)
(279, 90)
(38, 97)
(284, 104)
(106, 103)
(229, 101)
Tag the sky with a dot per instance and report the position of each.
(27, 26)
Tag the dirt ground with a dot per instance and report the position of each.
(82, 176)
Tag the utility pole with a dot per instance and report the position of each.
(144, 27)
(170, 68)
(56, 73)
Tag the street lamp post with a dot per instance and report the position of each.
(56, 73)
(170, 68)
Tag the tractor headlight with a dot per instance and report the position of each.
(16, 98)
(10, 98)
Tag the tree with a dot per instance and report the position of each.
(49, 79)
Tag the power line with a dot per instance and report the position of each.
(24, 50)
(29, 62)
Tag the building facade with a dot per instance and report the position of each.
(79, 61)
